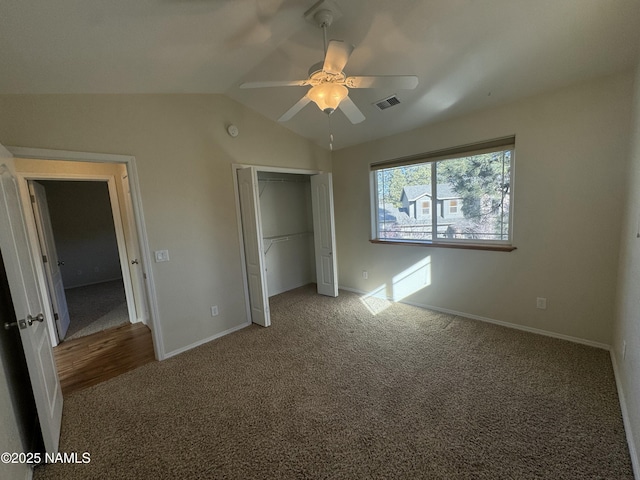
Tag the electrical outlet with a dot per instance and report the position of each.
(541, 303)
(214, 311)
(365, 274)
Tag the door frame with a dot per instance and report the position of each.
(259, 168)
(138, 218)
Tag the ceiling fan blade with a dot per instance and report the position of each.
(338, 53)
(351, 111)
(288, 115)
(403, 82)
(275, 83)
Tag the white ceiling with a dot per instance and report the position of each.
(468, 54)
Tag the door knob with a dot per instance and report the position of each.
(60, 263)
(37, 318)
(134, 262)
(20, 323)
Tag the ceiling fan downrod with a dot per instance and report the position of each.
(324, 18)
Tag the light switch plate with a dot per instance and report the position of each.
(162, 255)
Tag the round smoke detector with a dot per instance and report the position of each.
(233, 131)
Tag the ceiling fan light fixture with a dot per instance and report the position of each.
(328, 96)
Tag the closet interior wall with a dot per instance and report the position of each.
(287, 229)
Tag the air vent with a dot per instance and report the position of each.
(387, 102)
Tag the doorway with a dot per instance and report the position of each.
(77, 234)
(287, 232)
(120, 174)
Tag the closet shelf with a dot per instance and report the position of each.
(269, 241)
(283, 180)
(266, 181)
(288, 235)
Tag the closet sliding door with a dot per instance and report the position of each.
(254, 256)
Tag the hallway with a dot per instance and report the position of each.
(96, 307)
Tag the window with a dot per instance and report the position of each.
(470, 189)
(426, 208)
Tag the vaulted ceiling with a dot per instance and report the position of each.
(467, 54)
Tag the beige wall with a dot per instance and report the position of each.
(571, 147)
(184, 159)
(627, 325)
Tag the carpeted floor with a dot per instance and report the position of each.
(96, 307)
(332, 391)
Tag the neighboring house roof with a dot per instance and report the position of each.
(390, 213)
(414, 192)
(387, 213)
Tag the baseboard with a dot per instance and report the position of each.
(93, 283)
(635, 460)
(173, 353)
(515, 326)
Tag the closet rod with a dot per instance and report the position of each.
(288, 235)
(283, 238)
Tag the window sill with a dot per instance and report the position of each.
(465, 246)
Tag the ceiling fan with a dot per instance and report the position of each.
(328, 82)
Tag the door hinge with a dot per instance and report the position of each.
(44, 259)
(55, 316)
(33, 198)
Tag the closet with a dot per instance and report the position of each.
(287, 230)
(288, 234)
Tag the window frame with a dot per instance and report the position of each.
(432, 158)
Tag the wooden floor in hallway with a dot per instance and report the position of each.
(98, 357)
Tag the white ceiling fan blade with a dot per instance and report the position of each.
(275, 83)
(351, 111)
(338, 53)
(403, 82)
(288, 115)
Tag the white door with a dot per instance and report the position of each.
(254, 255)
(27, 303)
(133, 251)
(50, 259)
(324, 234)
